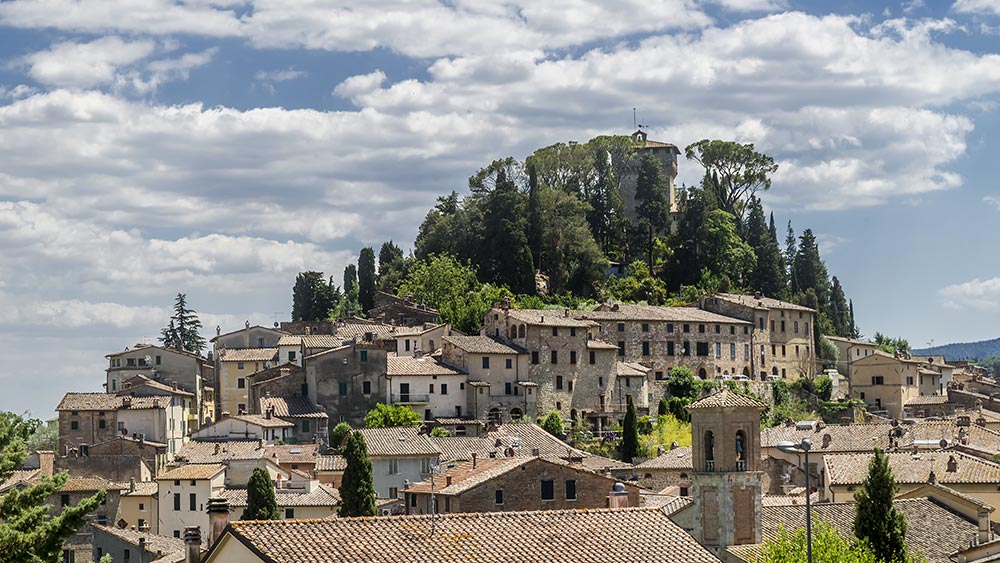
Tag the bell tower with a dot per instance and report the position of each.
(727, 469)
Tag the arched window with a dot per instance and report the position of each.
(494, 415)
(647, 476)
(774, 370)
(516, 414)
(741, 446)
(520, 331)
(709, 451)
(746, 370)
(702, 373)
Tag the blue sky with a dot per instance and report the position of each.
(218, 147)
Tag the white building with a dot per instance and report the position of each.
(247, 427)
(399, 454)
(430, 388)
(183, 496)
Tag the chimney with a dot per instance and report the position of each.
(618, 497)
(192, 544)
(952, 464)
(46, 462)
(984, 526)
(932, 478)
(217, 448)
(131, 484)
(142, 546)
(447, 480)
(473, 460)
(260, 444)
(826, 440)
(535, 452)
(218, 518)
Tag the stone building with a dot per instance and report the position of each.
(513, 484)
(348, 381)
(887, 383)
(574, 372)
(404, 311)
(726, 486)
(666, 154)
(134, 546)
(498, 387)
(79, 546)
(782, 336)
(183, 495)
(236, 365)
(399, 455)
(672, 468)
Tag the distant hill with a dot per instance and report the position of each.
(963, 350)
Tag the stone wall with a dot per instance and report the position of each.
(351, 366)
(119, 468)
(89, 430)
(658, 479)
(272, 382)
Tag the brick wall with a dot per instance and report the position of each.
(88, 429)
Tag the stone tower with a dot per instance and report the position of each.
(667, 154)
(727, 469)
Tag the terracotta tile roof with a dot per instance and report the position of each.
(142, 489)
(154, 347)
(762, 303)
(205, 452)
(482, 345)
(322, 495)
(726, 399)
(628, 369)
(459, 422)
(89, 402)
(239, 330)
(928, 399)
(424, 365)
(301, 453)
(290, 340)
(788, 500)
(843, 437)
(641, 535)
(677, 458)
(464, 477)
(248, 354)
(677, 504)
(358, 330)
(17, 477)
(331, 463)
(600, 345)
(601, 464)
(398, 441)
(193, 471)
(295, 406)
(154, 543)
(139, 381)
(931, 530)
(622, 312)
(322, 341)
(88, 484)
(852, 469)
(130, 439)
(522, 438)
(262, 421)
(548, 317)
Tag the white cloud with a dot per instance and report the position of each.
(282, 75)
(990, 7)
(83, 65)
(992, 201)
(165, 70)
(155, 17)
(977, 294)
(360, 84)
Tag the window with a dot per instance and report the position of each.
(746, 351)
(572, 356)
(621, 347)
(291, 355)
(508, 363)
(241, 383)
(239, 365)
(290, 513)
(393, 492)
(364, 356)
(486, 362)
(878, 380)
(413, 500)
(177, 502)
(796, 327)
(701, 348)
(659, 375)
(645, 348)
(177, 533)
(548, 489)
(774, 349)
(142, 523)
(430, 388)
(701, 329)
(366, 387)
(806, 326)
(645, 327)
(796, 350)
(670, 327)
(732, 351)
(570, 489)
(425, 465)
(687, 348)
(783, 350)
(684, 491)
(240, 407)
(130, 362)
(444, 388)
(909, 380)
(342, 388)
(393, 466)
(102, 424)
(670, 348)
(687, 328)
(534, 357)
(193, 502)
(260, 341)
(558, 404)
(142, 506)
(569, 386)
(862, 396)
(305, 426)
(158, 360)
(621, 327)
(554, 357)
(69, 556)
(600, 382)
(718, 329)
(593, 357)
(718, 349)
(498, 496)
(628, 382)
(782, 326)
(559, 382)
(406, 345)
(63, 500)
(572, 331)
(772, 326)
(508, 388)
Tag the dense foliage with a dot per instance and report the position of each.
(357, 487)
(387, 416)
(183, 329)
(877, 522)
(261, 502)
(828, 546)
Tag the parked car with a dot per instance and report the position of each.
(741, 378)
(773, 378)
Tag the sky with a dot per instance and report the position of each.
(218, 147)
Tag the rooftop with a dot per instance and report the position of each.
(248, 354)
(398, 441)
(261, 420)
(154, 543)
(481, 345)
(214, 452)
(322, 495)
(295, 406)
(109, 402)
(548, 317)
(852, 469)
(331, 463)
(193, 471)
(298, 453)
(643, 535)
(623, 312)
(760, 302)
(521, 438)
(677, 458)
(424, 365)
(630, 369)
(726, 399)
(465, 477)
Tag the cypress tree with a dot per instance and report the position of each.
(261, 503)
(652, 202)
(630, 433)
(506, 257)
(388, 254)
(366, 279)
(534, 216)
(840, 314)
(790, 251)
(768, 275)
(855, 333)
(877, 522)
(357, 488)
(313, 297)
(663, 408)
(810, 272)
(350, 278)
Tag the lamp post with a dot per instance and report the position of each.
(803, 447)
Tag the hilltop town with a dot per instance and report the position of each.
(637, 416)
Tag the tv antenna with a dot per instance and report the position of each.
(635, 121)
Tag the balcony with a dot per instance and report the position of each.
(710, 466)
(741, 465)
(410, 398)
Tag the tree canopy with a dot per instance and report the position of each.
(386, 416)
(182, 331)
(735, 171)
(261, 502)
(313, 297)
(357, 487)
(877, 522)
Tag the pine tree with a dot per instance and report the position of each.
(313, 297)
(357, 488)
(768, 275)
(810, 271)
(388, 255)
(506, 258)
(366, 279)
(261, 502)
(652, 202)
(630, 433)
(534, 216)
(28, 531)
(877, 522)
(183, 328)
(781, 272)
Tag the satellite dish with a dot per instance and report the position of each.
(943, 443)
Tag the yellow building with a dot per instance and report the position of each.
(235, 365)
(887, 382)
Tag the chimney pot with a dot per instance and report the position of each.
(192, 544)
(474, 460)
(218, 518)
(447, 480)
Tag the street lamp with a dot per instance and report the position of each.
(803, 447)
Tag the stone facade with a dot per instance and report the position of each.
(78, 427)
(348, 381)
(119, 468)
(520, 488)
(401, 311)
(79, 546)
(782, 335)
(153, 454)
(286, 380)
(666, 153)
